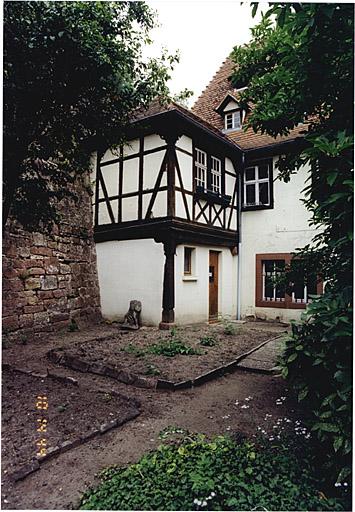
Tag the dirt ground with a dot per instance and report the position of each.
(35, 408)
(241, 402)
(131, 350)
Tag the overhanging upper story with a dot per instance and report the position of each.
(175, 178)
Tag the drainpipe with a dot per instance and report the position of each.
(239, 228)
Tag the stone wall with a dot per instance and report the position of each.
(51, 279)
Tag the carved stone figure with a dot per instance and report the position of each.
(132, 319)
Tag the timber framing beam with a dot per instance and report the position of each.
(166, 228)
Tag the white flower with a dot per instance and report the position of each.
(345, 484)
(204, 503)
(213, 494)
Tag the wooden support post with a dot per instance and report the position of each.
(168, 315)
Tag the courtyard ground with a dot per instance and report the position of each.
(241, 402)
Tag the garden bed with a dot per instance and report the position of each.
(150, 357)
(72, 416)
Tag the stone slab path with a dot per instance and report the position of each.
(264, 359)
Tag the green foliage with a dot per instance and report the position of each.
(208, 341)
(318, 361)
(152, 370)
(228, 328)
(172, 431)
(134, 350)
(217, 475)
(73, 326)
(172, 347)
(73, 74)
(300, 69)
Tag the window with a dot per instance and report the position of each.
(215, 175)
(188, 261)
(208, 172)
(232, 120)
(201, 168)
(258, 185)
(272, 291)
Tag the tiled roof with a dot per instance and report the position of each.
(211, 98)
(157, 107)
(203, 112)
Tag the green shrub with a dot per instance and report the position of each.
(172, 347)
(216, 475)
(208, 341)
(318, 362)
(228, 328)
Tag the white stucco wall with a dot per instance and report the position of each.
(192, 293)
(279, 230)
(128, 270)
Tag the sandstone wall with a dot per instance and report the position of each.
(50, 279)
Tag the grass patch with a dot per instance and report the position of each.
(222, 474)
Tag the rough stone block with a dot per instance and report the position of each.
(41, 251)
(126, 377)
(10, 323)
(48, 282)
(108, 426)
(98, 368)
(35, 271)
(33, 309)
(64, 269)
(26, 320)
(59, 317)
(25, 470)
(76, 364)
(32, 283)
(38, 239)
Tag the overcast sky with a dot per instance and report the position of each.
(205, 32)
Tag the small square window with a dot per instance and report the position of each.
(188, 261)
(232, 120)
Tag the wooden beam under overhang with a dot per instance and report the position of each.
(166, 228)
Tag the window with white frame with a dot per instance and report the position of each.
(233, 120)
(215, 175)
(257, 185)
(272, 289)
(302, 286)
(201, 168)
(188, 260)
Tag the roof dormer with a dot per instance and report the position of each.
(231, 112)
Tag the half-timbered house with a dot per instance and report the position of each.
(190, 220)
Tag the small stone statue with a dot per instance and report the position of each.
(132, 319)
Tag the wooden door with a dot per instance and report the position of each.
(213, 279)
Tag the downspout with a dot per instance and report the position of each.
(239, 234)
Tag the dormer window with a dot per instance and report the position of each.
(232, 120)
